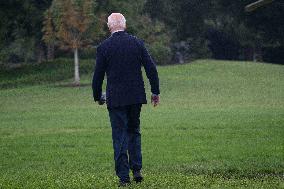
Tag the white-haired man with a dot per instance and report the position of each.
(120, 57)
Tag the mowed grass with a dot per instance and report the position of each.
(220, 124)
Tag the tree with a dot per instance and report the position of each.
(70, 25)
(184, 19)
(234, 33)
(20, 30)
(74, 22)
(49, 36)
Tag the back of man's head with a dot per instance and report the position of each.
(116, 21)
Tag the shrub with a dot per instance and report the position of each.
(191, 49)
(48, 72)
(161, 54)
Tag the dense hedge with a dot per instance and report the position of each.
(47, 72)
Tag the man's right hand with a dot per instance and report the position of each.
(102, 99)
(155, 99)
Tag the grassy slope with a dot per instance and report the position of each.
(219, 125)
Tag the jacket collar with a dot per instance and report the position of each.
(118, 33)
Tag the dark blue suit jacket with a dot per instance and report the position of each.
(121, 57)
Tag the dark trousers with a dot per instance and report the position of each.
(125, 123)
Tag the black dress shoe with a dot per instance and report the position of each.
(137, 176)
(124, 183)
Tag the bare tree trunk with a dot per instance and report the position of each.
(254, 55)
(76, 61)
(257, 54)
(50, 52)
(40, 53)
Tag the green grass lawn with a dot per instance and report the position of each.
(219, 125)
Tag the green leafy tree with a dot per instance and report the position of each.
(249, 34)
(20, 30)
(184, 20)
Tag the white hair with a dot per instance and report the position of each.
(116, 20)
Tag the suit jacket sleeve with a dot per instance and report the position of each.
(99, 74)
(151, 70)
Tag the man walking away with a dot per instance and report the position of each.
(121, 57)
